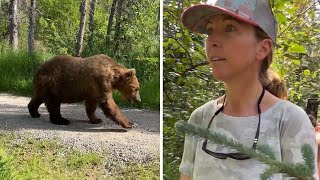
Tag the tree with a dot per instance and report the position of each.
(32, 25)
(0, 7)
(91, 23)
(110, 22)
(116, 38)
(13, 28)
(79, 41)
(157, 31)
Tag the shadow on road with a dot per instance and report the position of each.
(16, 117)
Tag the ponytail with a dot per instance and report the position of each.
(272, 83)
(269, 79)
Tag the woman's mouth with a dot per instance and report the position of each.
(214, 59)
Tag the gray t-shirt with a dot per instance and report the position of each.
(285, 127)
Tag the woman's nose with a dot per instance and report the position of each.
(213, 41)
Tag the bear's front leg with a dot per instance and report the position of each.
(111, 110)
(91, 106)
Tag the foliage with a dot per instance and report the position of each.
(6, 170)
(17, 70)
(263, 153)
(43, 159)
(47, 159)
(187, 81)
(134, 171)
(56, 29)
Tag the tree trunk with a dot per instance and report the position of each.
(79, 41)
(91, 23)
(157, 32)
(32, 25)
(110, 22)
(117, 30)
(0, 8)
(13, 28)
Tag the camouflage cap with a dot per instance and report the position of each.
(254, 12)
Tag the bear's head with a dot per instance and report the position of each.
(128, 85)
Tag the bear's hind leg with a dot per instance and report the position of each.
(53, 106)
(33, 106)
(91, 106)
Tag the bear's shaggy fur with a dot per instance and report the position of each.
(67, 79)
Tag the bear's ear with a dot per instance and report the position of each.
(130, 73)
(133, 71)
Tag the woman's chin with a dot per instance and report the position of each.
(219, 75)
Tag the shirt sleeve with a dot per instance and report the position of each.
(190, 144)
(296, 130)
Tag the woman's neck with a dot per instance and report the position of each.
(242, 97)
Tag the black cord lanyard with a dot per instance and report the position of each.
(259, 112)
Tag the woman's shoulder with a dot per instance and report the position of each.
(198, 114)
(293, 110)
(293, 114)
(284, 107)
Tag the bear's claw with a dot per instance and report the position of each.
(60, 121)
(131, 125)
(96, 121)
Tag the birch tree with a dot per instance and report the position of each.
(79, 41)
(91, 23)
(32, 25)
(13, 28)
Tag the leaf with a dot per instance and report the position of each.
(296, 48)
(314, 75)
(281, 18)
(297, 62)
(306, 72)
(308, 156)
(290, 56)
(178, 35)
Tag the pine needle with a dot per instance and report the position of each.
(263, 153)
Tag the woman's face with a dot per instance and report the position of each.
(231, 47)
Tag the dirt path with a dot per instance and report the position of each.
(141, 144)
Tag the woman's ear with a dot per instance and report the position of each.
(264, 47)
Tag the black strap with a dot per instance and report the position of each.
(259, 112)
(217, 112)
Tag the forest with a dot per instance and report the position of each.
(33, 31)
(187, 81)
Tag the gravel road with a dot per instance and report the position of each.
(140, 144)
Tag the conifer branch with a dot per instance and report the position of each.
(263, 153)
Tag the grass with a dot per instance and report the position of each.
(18, 68)
(135, 171)
(47, 159)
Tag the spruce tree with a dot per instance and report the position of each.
(263, 153)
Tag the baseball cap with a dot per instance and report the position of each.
(254, 12)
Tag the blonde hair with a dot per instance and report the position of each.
(268, 78)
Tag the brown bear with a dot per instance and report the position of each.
(67, 79)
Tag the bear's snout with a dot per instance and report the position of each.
(138, 99)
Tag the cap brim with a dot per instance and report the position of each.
(196, 17)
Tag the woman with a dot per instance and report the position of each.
(240, 38)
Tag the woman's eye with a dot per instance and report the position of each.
(230, 28)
